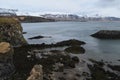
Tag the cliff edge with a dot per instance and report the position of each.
(11, 31)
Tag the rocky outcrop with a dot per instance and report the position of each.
(36, 73)
(107, 34)
(39, 37)
(6, 60)
(54, 60)
(71, 42)
(75, 50)
(11, 31)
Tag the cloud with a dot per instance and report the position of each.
(89, 7)
(108, 3)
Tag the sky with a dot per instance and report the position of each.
(79, 7)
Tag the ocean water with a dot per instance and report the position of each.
(108, 50)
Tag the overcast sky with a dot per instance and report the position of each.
(84, 7)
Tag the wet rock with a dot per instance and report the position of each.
(6, 60)
(75, 50)
(36, 73)
(39, 37)
(23, 63)
(78, 75)
(85, 74)
(55, 51)
(99, 73)
(53, 60)
(62, 78)
(114, 67)
(99, 63)
(107, 34)
(71, 64)
(75, 59)
(24, 32)
(71, 42)
(50, 76)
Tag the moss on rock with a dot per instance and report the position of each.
(11, 31)
(75, 50)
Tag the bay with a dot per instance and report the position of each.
(108, 50)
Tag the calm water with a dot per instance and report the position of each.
(108, 50)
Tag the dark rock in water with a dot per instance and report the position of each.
(39, 37)
(36, 37)
(24, 32)
(6, 60)
(107, 34)
(75, 50)
(71, 42)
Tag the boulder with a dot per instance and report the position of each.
(36, 73)
(107, 34)
(6, 60)
(24, 32)
(75, 50)
(39, 37)
(71, 42)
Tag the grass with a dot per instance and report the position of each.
(6, 20)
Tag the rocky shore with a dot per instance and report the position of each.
(59, 61)
(98, 71)
(52, 62)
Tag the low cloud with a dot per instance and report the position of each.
(108, 3)
(84, 7)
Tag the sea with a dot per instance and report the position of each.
(98, 49)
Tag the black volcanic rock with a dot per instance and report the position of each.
(75, 49)
(39, 37)
(71, 42)
(107, 34)
(24, 32)
(36, 37)
(114, 67)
